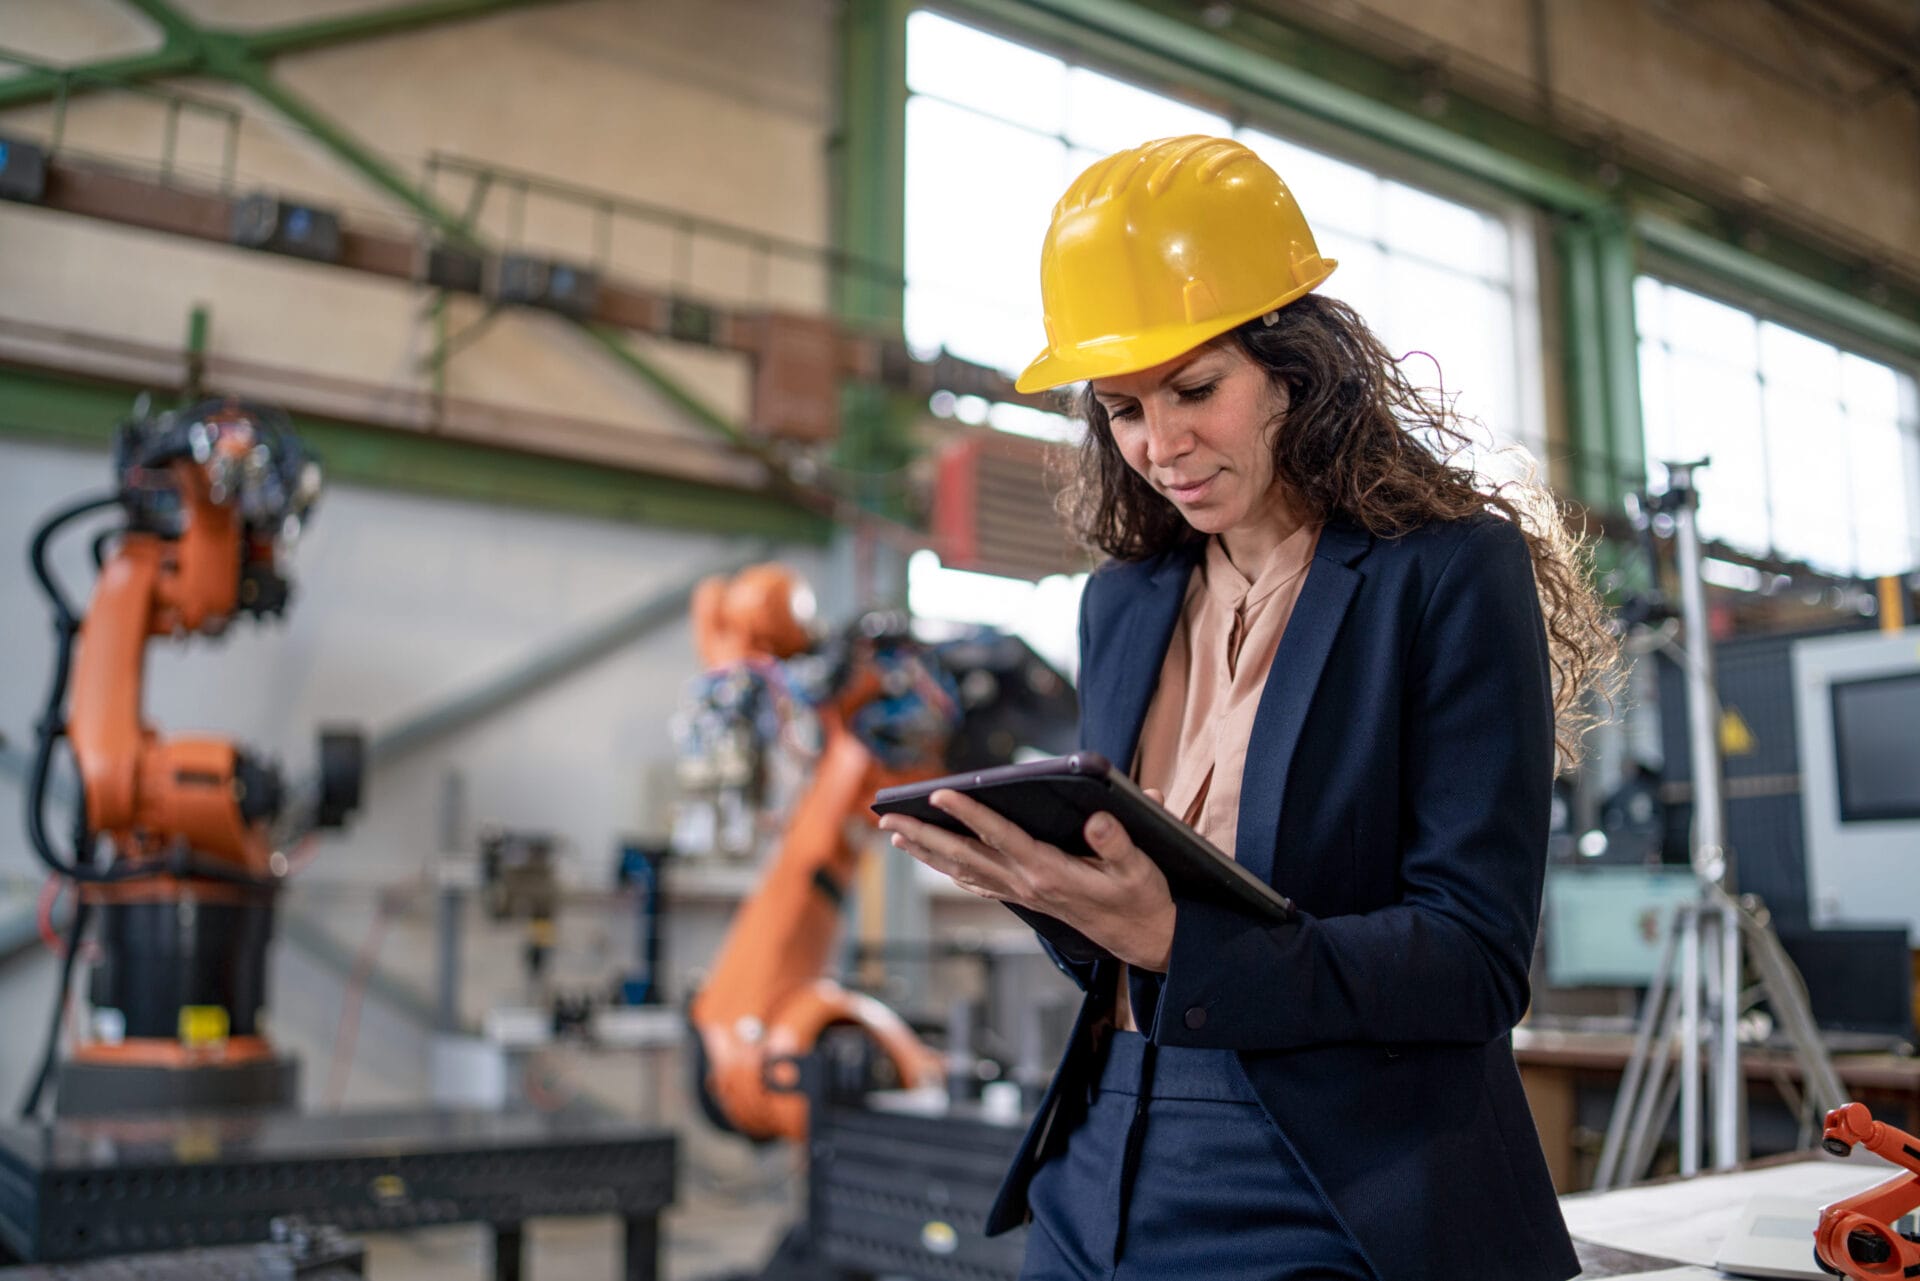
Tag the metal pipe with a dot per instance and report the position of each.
(1729, 1094)
(452, 900)
(1655, 1104)
(1690, 1046)
(1710, 860)
(452, 912)
(1607, 1173)
(1787, 995)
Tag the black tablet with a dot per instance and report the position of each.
(1052, 800)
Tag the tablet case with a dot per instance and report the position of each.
(1052, 800)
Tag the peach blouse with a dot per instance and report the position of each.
(1193, 744)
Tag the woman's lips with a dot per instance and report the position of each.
(1189, 493)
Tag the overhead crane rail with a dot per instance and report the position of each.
(97, 189)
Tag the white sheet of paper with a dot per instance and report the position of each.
(1687, 1220)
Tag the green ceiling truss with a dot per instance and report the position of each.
(185, 46)
(242, 58)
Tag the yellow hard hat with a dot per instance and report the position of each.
(1155, 250)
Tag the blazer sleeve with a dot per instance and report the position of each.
(1449, 960)
(1072, 951)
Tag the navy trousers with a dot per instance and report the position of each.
(1175, 1170)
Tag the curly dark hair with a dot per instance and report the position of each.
(1362, 441)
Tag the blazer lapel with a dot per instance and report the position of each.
(1130, 661)
(1304, 646)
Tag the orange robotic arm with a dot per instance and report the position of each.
(767, 1000)
(206, 494)
(1855, 1237)
(185, 902)
(145, 793)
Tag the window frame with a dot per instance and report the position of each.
(1766, 310)
(1537, 426)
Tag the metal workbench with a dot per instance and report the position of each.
(82, 1188)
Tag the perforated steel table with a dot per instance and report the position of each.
(79, 1189)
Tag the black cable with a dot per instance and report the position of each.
(100, 541)
(37, 552)
(52, 728)
(31, 1104)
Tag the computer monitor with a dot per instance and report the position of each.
(1876, 728)
(1858, 980)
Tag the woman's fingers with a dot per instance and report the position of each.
(928, 837)
(1108, 839)
(994, 831)
(970, 864)
(1155, 795)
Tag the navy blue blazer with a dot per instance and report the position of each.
(1396, 787)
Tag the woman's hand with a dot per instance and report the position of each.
(1117, 899)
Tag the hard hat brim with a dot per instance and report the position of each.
(1135, 352)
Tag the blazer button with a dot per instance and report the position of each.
(1196, 1018)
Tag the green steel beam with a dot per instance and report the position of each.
(303, 36)
(44, 406)
(614, 341)
(1614, 262)
(869, 176)
(868, 154)
(227, 56)
(199, 327)
(1669, 243)
(1584, 362)
(47, 84)
(182, 50)
(1602, 357)
(176, 29)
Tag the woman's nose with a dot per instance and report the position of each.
(1168, 436)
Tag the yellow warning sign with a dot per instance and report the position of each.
(202, 1025)
(1735, 738)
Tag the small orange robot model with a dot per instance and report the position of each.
(1856, 1237)
(767, 1000)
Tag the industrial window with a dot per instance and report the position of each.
(996, 131)
(1815, 450)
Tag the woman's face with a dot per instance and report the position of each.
(1200, 430)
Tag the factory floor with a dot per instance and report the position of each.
(711, 1232)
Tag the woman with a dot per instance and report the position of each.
(1342, 660)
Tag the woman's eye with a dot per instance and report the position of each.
(1204, 390)
(1120, 413)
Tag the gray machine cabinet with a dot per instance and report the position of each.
(1860, 868)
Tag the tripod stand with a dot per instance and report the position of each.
(1709, 938)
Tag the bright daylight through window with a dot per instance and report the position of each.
(1815, 450)
(995, 131)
